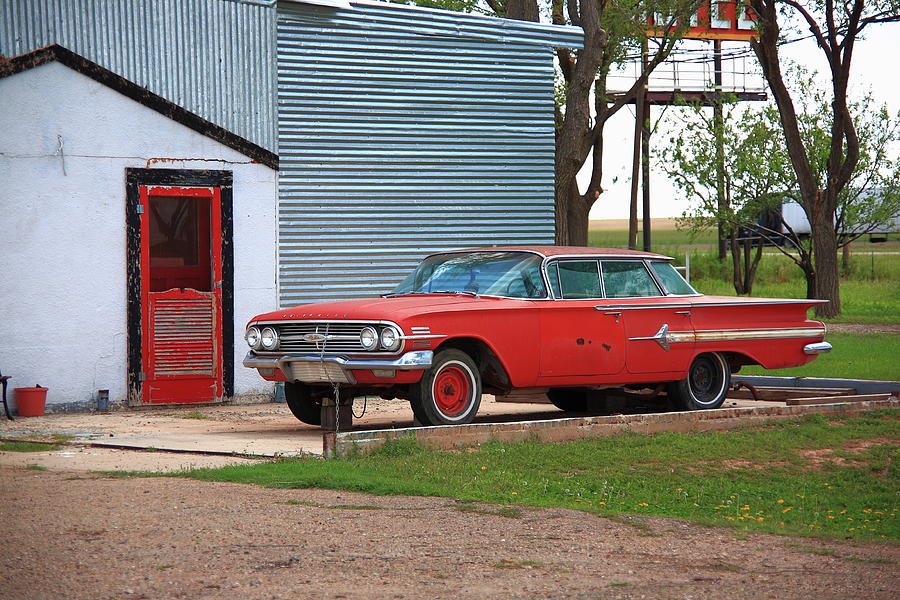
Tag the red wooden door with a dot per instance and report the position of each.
(181, 294)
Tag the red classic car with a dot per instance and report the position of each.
(567, 321)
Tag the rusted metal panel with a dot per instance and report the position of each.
(216, 58)
(404, 132)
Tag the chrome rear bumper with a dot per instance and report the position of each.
(314, 368)
(817, 348)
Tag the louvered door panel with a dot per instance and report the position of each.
(183, 335)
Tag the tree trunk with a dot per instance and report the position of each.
(827, 281)
(750, 274)
(736, 278)
(579, 208)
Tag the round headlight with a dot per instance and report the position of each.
(368, 337)
(252, 337)
(390, 338)
(269, 338)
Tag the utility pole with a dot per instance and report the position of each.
(719, 124)
(645, 154)
(635, 167)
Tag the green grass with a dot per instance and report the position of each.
(665, 238)
(27, 447)
(870, 291)
(855, 356)
(760, 478)
(194, 414)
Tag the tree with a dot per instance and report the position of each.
(612, 30)
(759, 177)
(706, 150)
(835, 30)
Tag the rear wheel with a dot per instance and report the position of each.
(299, 400)
(706, 384)
(449, 393)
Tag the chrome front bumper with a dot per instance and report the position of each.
(817, 348)
(313, 368)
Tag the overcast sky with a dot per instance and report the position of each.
(875, 67)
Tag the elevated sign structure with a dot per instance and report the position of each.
(724, 20)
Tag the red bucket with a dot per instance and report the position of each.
(30, 401)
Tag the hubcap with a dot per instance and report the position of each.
(705, 380)
(452, 390)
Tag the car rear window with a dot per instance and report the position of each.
(671, 278)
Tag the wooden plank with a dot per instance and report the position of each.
(838, 399)
(780, 394)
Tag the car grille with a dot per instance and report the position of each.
(342, 337)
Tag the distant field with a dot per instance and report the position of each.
(666, 237)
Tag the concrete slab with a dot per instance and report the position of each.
(257, 430)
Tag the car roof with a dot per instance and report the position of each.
(552, 251)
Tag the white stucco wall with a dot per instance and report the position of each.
(62, 229)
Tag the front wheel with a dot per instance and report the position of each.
(299, 400)
(705, 386)
(449, 393)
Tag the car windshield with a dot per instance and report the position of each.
(508, 274)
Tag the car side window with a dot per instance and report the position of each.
(628, 279)
(577, 279)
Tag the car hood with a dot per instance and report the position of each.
(395, 309)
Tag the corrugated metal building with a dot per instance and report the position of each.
(397, 131)
(403, 132)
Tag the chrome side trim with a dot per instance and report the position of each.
(705, 304)
(411, 361)
(664, 337)
(817, 348)
(432, 336)
(661, 337)
(642, 306)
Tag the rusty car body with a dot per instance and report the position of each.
(568, 321)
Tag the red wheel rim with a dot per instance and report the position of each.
(452, 390)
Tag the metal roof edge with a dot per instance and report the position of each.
(133, 91)
(557, 36)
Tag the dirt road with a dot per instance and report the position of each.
(68, 534)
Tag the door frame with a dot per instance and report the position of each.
(134, 179)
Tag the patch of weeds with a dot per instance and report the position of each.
(873, 561)
(294, 502)
(163, 567)
(35, 468)
(629, 520)
(28, 447)
(819, 551)
(563, 571)
(61, 438)
(440, 575)
(194, 414)
(510, 512)
(619, 584)
(524, 563)
(741, 536)
(312, 504)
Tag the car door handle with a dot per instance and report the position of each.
(683, 312)
(613, 313)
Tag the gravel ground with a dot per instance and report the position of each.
(73, 535)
